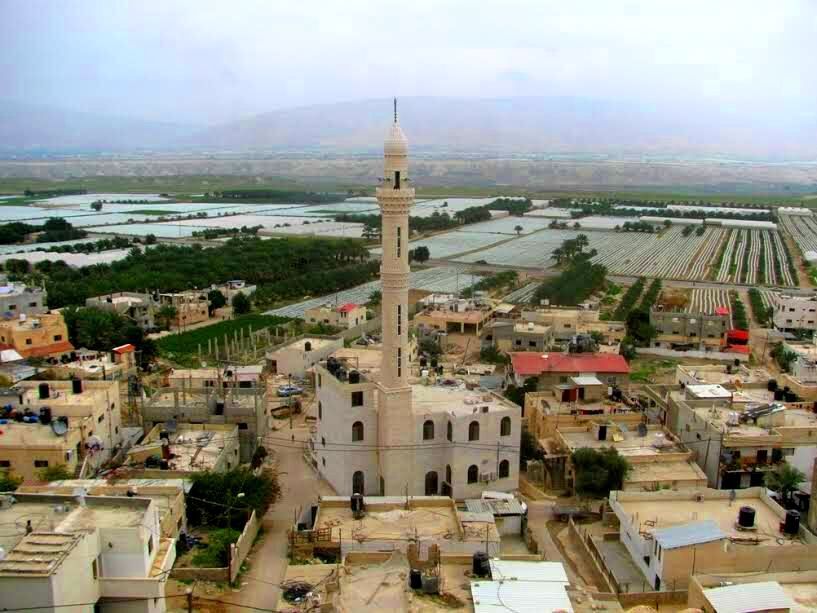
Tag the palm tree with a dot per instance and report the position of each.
(518, 230)
(785, 479)
(558, 254)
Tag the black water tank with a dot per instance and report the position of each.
(423, 362)
(789, 396)
(792, 525)
(778, 394)
(307, 346)
(440, 370)
(164, 434)
(76, 386)
(45, 415)
(771, 385)
(219, 407)
(746, 517)
(433, 362)
(415, 579)
(480, 565)
(354, 377)
(45, 391)
(164, 464)
(602, 432)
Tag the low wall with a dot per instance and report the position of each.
(603, 578)
(704, 355)
(656, 599)
(201, 574)
(240, 549)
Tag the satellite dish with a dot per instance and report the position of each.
(59, 427)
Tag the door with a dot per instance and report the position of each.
(756, 478)
(730, 480)
(581, 393)
(431, 483)
(358, 483)
(762, 456)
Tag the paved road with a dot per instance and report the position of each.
(300, 487)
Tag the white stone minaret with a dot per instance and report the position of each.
(396, 425)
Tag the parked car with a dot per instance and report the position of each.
(289, 390)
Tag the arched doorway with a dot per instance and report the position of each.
(358, 483)
(432, 487)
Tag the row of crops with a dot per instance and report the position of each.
(803, 229)
(707, 300)
(755, 257)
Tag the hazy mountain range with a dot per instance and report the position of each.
(434, 125)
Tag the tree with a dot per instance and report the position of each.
(598, 472)
(421, 254)
(8, 482)
(216, 299)
(241, 304)
(97, 206)
(667, 223)
(150, 239)
(785, 479)
(240, 489)
(529, 448)
(518, 230)
(58, 472)
(375, 297)
(166, 315)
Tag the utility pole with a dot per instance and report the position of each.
(189, 594)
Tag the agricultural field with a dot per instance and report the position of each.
(803, 229)
(187, 343)
(706, 300)
(754, 257)
(522, 295)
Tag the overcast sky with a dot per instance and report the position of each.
(209, 61)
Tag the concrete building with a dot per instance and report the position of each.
(182, 449)
(70, 423)
(416, 435)
(295, 357)
(657, 458)
(36, 337)
(795, 313)
(138, 308)
(236, 406)
(671, 536)
(746, 593)
(459, 315)
(594, 371)
(704, 331)
(739, 436)
(544, 413)
(91, 364)
(232, 288)
(510, 335)
(197, 379)
(344, 316)
(19, 299)
(92, 552)
(192, 307)
(567, 322)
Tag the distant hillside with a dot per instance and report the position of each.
(518, 125)
(25, 128)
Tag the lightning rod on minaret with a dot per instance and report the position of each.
(395, 109)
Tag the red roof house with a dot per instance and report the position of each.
(528, 364)
(349, 306)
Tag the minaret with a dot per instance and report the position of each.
(396, 423)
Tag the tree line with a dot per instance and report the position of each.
(275, 195)
(54, 230)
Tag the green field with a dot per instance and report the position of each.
(182, 347)
(151, 212)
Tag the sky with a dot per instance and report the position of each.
(206, 62)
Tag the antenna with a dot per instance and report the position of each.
(395, 109)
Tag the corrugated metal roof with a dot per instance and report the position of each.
(495, 507)
(519, 596)
(746, 597)
(692, 533)
(38, 553)
(552, 572)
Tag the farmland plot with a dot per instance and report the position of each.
(522, 295)
(706, 300)
(803, 229)
(754, 257)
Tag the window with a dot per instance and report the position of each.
(357, 399)
(57, 337)
(357, 431)
(449, 431)
(319, 380)
(5, 463)
(398, 241)
(34, 304)
(432, 486)
(40, 463)
(94, 569)
(12, 307)
(28, 341)
(323, 461)
(428, 430)
(243, 425)
(396, 179)
(399, 362)
(323, 441)
(399, 320)
(473, 431)
(504, 469)
(532, 344)
(505, 426)
(519, 342)
(358, 483)
(150, 545)
(100, 419)
(320, 410)
(473, 473)
(448, 473)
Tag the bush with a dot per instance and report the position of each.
(217, 552)
(572, 286)
(241, 304)
(492, 355)
(214, 497)
(58, 472)
(8, 482)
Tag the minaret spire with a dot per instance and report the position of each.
(395, 109)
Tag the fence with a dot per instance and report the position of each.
(705, 355)
(607, 581)
(240, 549)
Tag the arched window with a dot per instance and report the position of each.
(357, 431)
(320, 410)
(504, 469)
(473, 431)
(358, 482)
(473, 473)
(323, 441)
(505, 426)
(432, 486)
(449, 432)
(428, 430)
(448, 473)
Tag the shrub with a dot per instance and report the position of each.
(599, 472)
(217, 552)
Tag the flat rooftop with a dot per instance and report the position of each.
(192, 450)
(235, 397)
(626, 441)
(51, 513)
(720, 417)
(387, 519)
(316, 342)
(678, 470)
(654, 511)
(455, 399)
(472, 316)
(35, 436)
(61, 394)
(531, 328)
(711, 374)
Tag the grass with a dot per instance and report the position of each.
(643, 371)
(186, 345)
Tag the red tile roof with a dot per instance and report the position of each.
(528, 363)
(721, 310)
(738, 349)
(349, 306)
(124, 348)
(44, 350)
(738, 334)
